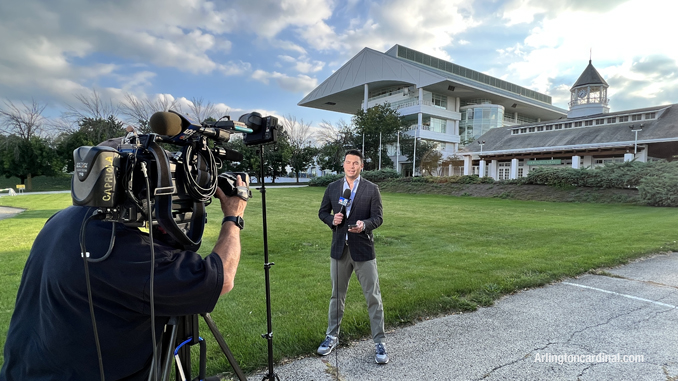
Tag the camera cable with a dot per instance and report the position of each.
(85, 257)
(152, 276)
(200, 170)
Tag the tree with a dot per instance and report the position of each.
(25, 159)
(277, 157)
(138, 111)
(430, 162)
(302, 152)
(24, 126)
(99, 129)
(67, 143)
(90, 106)
(378, 122)
(336, 140)
(423, 149)
(201, 110)
(25, 122)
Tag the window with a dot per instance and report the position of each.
(637, 117)
(600, 121)
(540, 128)
(523, 130)
(559, 126)
(567, 125)
(588, 123)
(549, 128)
(623, 119)
(439, 100)
(650, 115)
(531, 129)
(576, 124)
(520, 171)
(612, 120)
(514, 132)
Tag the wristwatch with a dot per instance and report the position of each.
(237, 220)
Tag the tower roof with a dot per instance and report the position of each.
(590, 76)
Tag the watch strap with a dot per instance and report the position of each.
(237, 220)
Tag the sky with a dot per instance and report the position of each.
(266, 55)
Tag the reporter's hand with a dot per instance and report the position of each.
(234, 205)
(337, 219)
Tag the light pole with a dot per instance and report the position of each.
(481, 166)
(635, 142)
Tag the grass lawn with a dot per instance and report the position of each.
(436, 254)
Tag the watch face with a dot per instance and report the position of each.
(582, 93)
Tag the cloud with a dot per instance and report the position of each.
(558, 46)
(299, 84)
(429, 26)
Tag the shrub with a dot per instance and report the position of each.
(374, 176)
(660, 186)
(381, 175)
(616, 175)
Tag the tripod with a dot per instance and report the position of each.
(267, 266)
(180, 334)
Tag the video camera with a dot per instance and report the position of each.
(118, 176)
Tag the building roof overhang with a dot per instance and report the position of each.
(343, 91)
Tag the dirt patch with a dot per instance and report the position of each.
(519, 192)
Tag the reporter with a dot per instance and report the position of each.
(51, 336)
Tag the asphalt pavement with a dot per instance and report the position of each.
(621, 324)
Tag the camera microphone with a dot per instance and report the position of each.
(179, 128)
(165, 123)
(343, 201)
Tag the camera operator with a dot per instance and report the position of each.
(51, 334)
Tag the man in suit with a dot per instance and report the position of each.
(353, 250)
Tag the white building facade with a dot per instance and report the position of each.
(590, 136)
(443, 103)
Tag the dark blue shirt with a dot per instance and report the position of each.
(50, 335)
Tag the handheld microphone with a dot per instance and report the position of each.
(343, 201)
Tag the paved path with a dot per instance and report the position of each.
(7, 212)
(632, 310)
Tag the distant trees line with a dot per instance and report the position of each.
(32, 144)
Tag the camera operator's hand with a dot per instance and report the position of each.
(232, 206)
(227, 246)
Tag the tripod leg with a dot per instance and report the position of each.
(224, 347)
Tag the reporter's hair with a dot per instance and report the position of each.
(354, 152)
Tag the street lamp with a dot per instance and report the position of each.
(635, 142)
(481, 143)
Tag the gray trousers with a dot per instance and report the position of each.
(340, 273)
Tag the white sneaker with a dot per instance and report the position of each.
(381, 356)
(326, 347)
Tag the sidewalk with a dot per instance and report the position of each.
(540, 334)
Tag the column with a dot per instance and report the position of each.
(515, 117)
(493, 169)
(642, 155)
(421, 97)
(587, 162)
(366, 94)
(468, 160)
(482, 168)
(514, 169)
(628, 157)
(576, 162)
(451, 169)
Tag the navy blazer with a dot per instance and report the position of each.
(366, 207)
